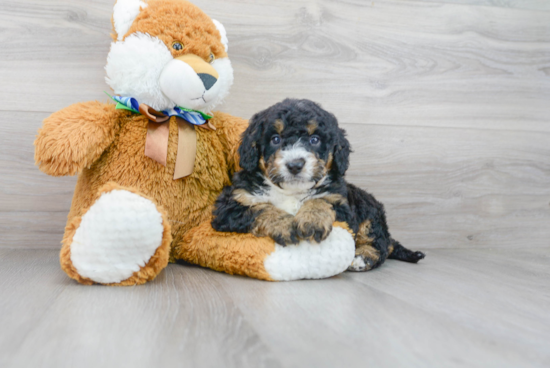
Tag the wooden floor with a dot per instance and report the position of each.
(447, 106)
(475, 308)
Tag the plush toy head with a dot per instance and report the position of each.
(168, 53)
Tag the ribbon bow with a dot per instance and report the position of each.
(158, 129)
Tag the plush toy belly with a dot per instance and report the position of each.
(262, 258)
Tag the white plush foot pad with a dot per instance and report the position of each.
(312, 261)
(119, 233)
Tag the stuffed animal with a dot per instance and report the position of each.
(151, 166)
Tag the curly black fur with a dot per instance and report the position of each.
(240, 206)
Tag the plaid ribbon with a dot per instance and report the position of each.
(192, 116)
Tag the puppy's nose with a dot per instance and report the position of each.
(207, 79)
(295, 166)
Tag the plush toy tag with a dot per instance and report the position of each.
(156, 143)
(158, 131)
(187, 149)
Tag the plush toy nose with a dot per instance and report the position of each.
(295, 166)
(206, 72)
(208, 80)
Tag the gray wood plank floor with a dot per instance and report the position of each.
(447, 107)
(458, 308)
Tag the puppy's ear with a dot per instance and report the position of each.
(341, 152)
(249, 150)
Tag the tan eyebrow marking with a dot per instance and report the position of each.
(311, 126)
(279, 125)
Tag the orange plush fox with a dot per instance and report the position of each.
(150, 167)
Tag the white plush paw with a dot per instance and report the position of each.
(307, 260)
(117, 236)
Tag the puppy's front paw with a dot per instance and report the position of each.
(283, 231)
(313, 226)
(277, 226)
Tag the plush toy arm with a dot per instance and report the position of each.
(75, 137)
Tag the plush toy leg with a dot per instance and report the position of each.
(261, 258)
(122, 239)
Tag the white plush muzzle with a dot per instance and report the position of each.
(179, 82)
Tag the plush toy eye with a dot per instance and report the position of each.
(314, 140)
(276, 140)
(177, 46)
(212, 57)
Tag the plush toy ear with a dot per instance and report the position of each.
(249, 150)
(223, 33)
(124, 14)
(341, 153)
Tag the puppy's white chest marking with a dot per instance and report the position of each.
(289, 199)
(286, 200)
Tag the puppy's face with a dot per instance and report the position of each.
(295, 144)
(296, 154)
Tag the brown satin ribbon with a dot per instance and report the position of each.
(156, 143)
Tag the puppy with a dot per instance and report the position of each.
(291, 187)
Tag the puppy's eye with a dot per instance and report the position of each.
(177, 46)
(314, 140)
(276, 140)
(211, 58)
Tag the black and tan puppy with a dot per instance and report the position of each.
(291, 187)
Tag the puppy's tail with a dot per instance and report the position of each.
(399, 252)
